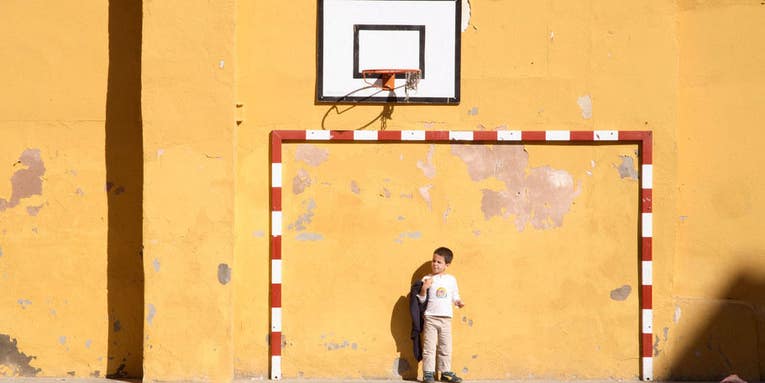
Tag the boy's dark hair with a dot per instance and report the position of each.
(446, 253)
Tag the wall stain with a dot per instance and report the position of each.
(585, 104)
(14, 362)
(34, 210)
(538, 196)
(25, 182)
(224, 273)
(24, 303)
(355, 187)
(425, 194)
(621, 293)
(152, 312)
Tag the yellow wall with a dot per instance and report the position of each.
(134, 236)
(524, 66)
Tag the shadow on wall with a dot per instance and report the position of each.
(124, 187)
(405, 365)
(732, 341)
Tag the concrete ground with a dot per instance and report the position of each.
(103, 380)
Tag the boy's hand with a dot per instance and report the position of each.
(460, 304)
(426, 282)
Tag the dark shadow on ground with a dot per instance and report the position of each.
(731, 341)
(124, 187)
(401, 328)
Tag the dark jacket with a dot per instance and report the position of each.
(416, 309)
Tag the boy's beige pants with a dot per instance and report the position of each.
(437, 330)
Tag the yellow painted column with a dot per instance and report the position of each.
(188, 120)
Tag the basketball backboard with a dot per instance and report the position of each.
(358, 35)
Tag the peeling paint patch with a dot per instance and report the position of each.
(151, 312)
(355, 187)
(34, 210)
(79, 192)
(156, 264)
(62, 340)
(410, 235)
(25, 182)
(621, 293)
(13, 360)
(309, 237)
(473, 111)
(427, 167)
(304, 218)
(311, 154)
(336, 346)
(258, 233)
(400, 218)
(538, 196)
(301, 181)
(88, 343)
(627, 168)
(1, 251)
(446, 213)
(585, 104)
(425, 194)
(656, 350)
(224, 274)
(24, 303)
(677, 315)
(465, 370)
(465, 15)
(385, 193)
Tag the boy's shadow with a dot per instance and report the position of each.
(401, 327)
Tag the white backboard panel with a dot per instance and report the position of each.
(354, 35)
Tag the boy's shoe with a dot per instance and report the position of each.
(428, 377)
(450, 377)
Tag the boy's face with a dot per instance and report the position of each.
(438, 264)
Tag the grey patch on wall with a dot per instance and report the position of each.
(411, 235)
(62, 340)
(473, 111)
(224, 273)
(117, 326)
(336, 346)
(585, 104)
(258, 234)
(355, 187)
(24, 303)
(88, 343)
(400, 366)
(309, 237)
(385, 193)
(1, 251)
(95, 374)
(305, 218)
(627, 168)
(656, 350)
(25, 182)
(151, 313)
(156, 265)
(15, 360)
(465, 370)
(621, 293)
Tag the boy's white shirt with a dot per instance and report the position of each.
(441, 306)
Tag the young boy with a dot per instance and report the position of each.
(441, 290)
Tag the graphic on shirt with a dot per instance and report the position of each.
(441, 292)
